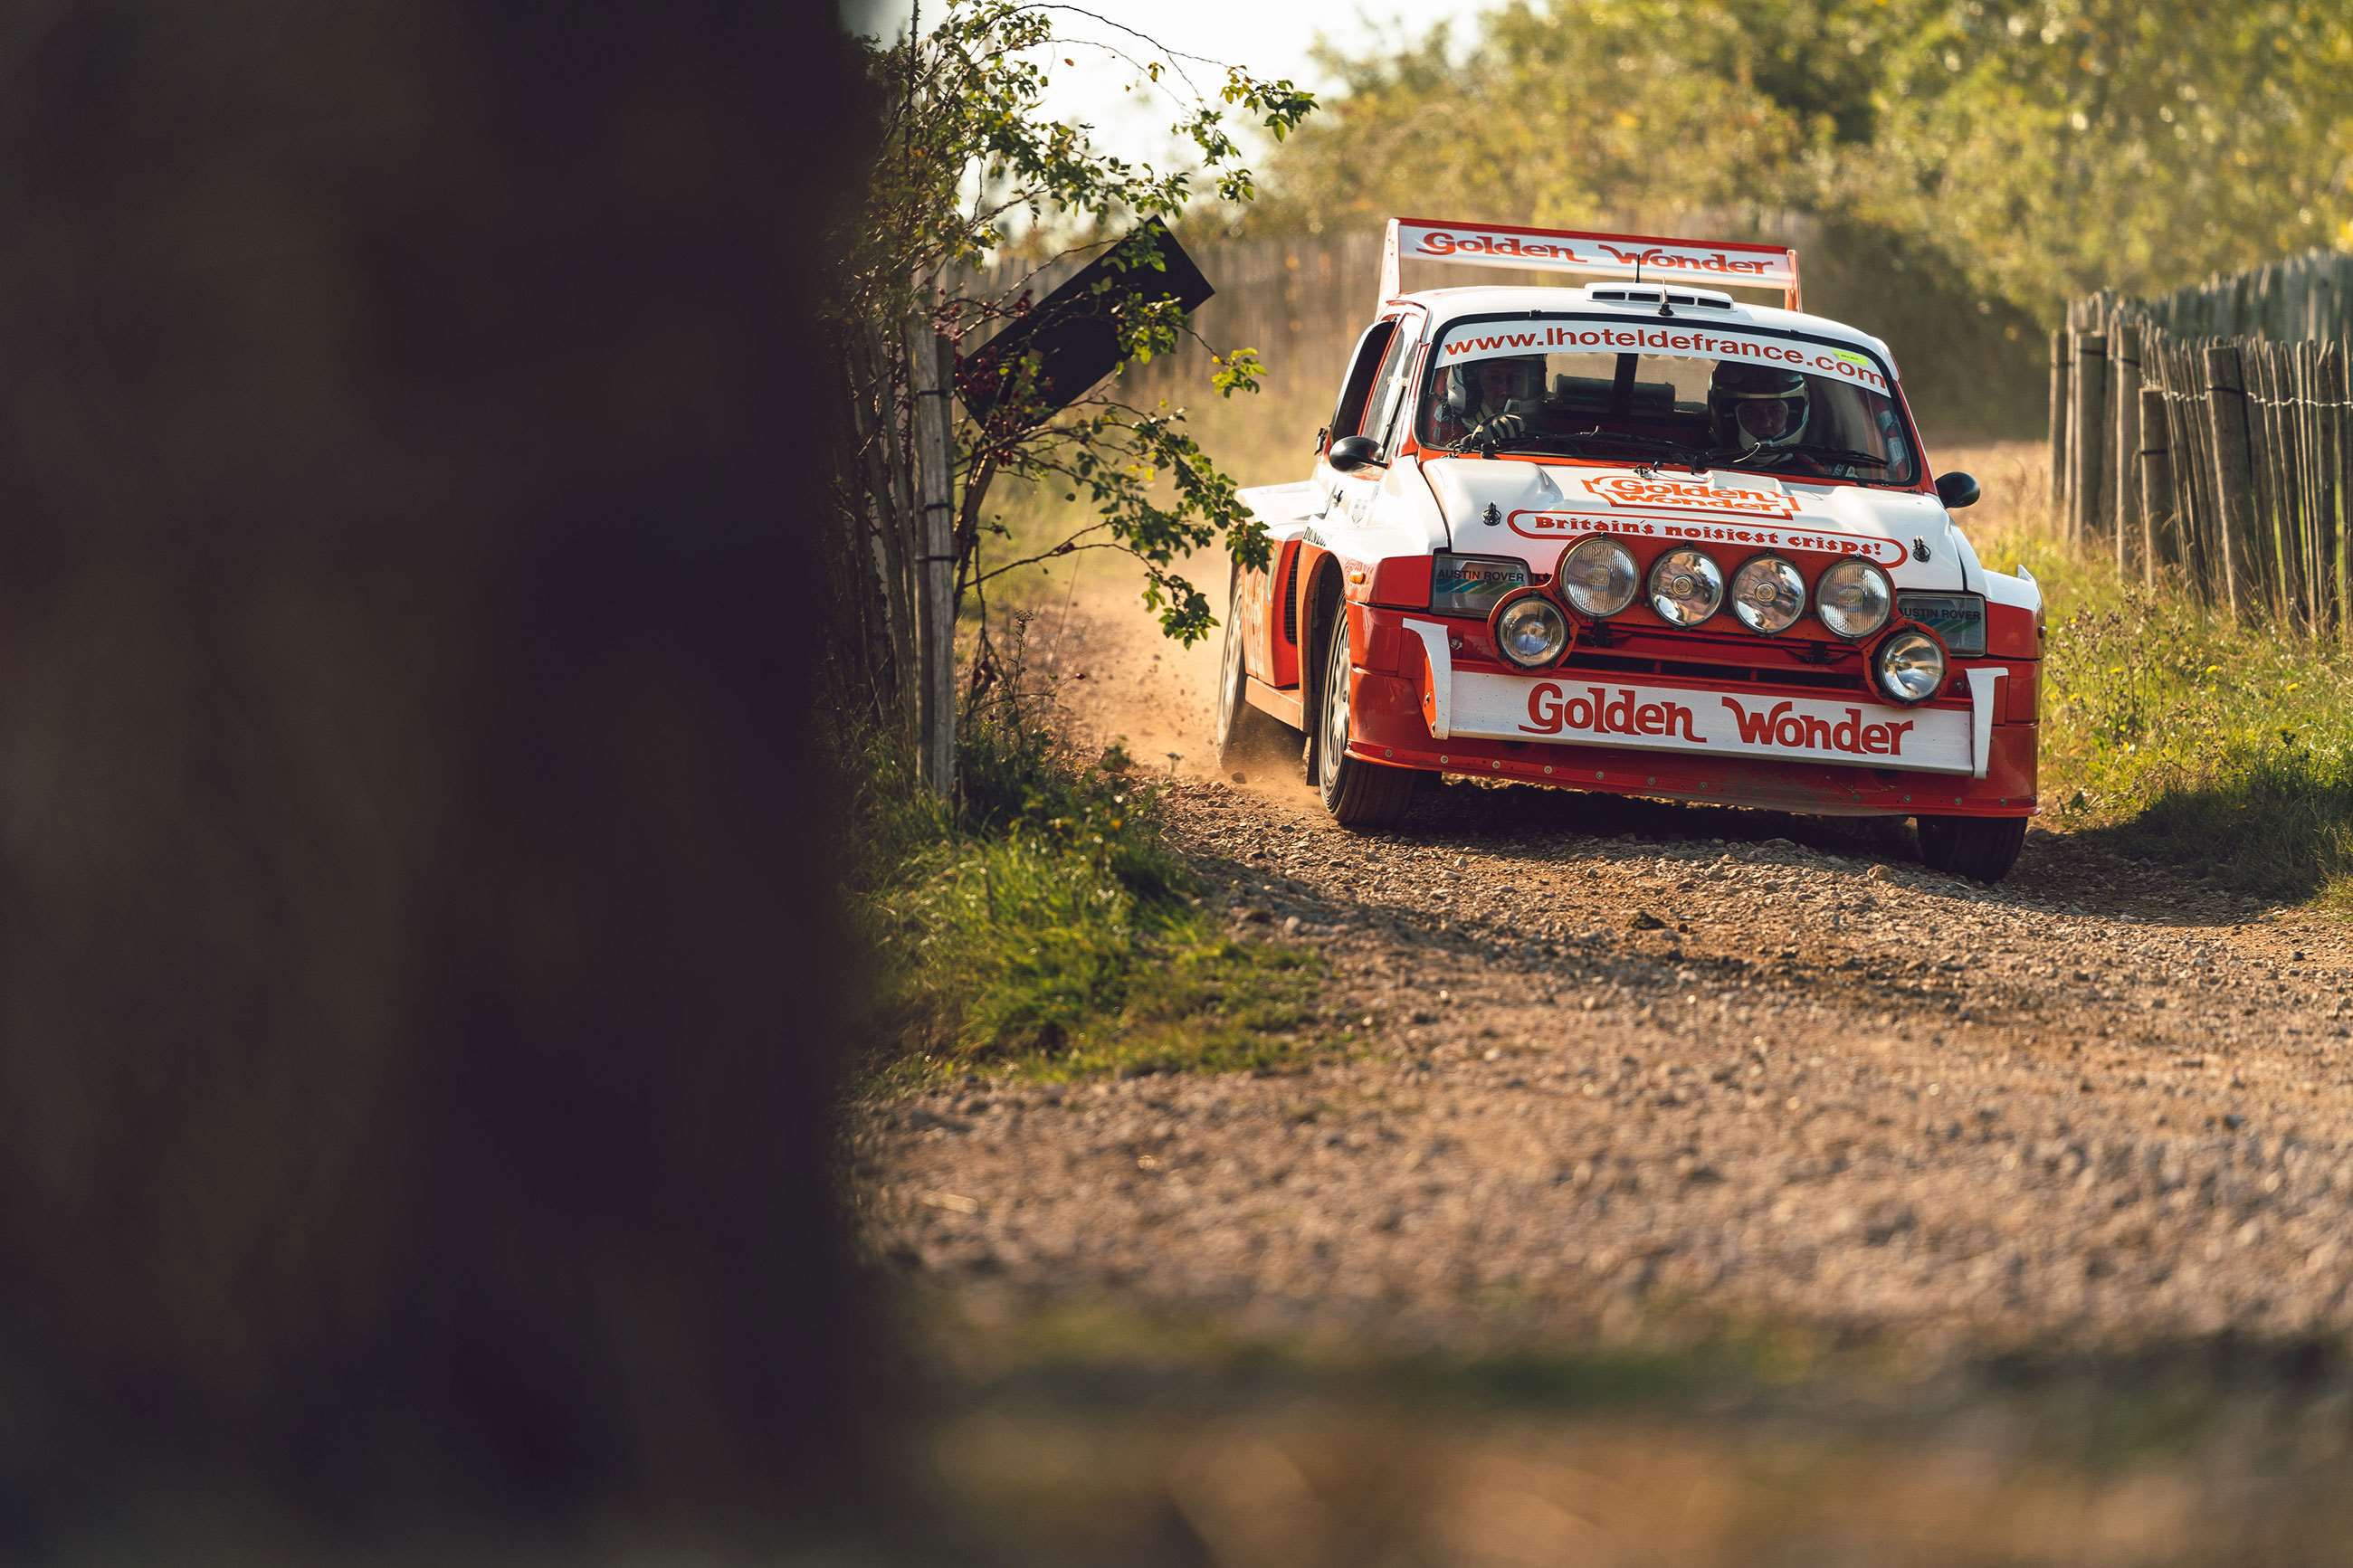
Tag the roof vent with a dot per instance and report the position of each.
(1705, 299)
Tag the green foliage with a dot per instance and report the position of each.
(1047, 928)
(2047, 147)
(969, 165)
(2069, 145)
(1551, 116)
(1113, 458)
(2178, 735)
(967, 149)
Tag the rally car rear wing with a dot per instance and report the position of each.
(1716, 263)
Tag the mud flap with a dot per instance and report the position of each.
(1437, 667)
(1985, 687)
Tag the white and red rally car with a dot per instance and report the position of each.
(1638, 537)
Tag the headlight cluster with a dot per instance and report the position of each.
(1597, 577)
(1854, 598)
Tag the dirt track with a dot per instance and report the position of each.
(1617, 1062)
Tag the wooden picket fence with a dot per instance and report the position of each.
(2307, 296)
(2208, 436)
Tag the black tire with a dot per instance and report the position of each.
(1244, 732)
(1357, 793)
(1982, 848)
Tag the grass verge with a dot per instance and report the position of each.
(1044, 928)
(2171, 733)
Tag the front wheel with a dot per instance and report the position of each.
(1982, 848)
(1357, 793)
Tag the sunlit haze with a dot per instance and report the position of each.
(1271, 40)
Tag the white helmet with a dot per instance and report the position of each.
(1753, 405)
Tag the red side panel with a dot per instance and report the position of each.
(2024, 704)
(2010, 632)
(1402, 582)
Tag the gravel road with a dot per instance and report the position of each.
(1613, 1061)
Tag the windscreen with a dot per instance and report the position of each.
(1797, 406)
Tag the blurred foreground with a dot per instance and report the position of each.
(417, 1017)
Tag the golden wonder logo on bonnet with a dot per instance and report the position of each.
(1631, 489)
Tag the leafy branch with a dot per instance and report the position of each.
(967, 158)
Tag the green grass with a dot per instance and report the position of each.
(1045, 928)
(2170, 732)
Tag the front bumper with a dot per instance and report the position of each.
(1431, 695)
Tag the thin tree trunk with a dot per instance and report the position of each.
(932, 363)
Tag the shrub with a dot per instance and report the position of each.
(1047, 927)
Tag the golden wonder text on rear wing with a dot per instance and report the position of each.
(1712, 263)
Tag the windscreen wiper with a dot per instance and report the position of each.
(1487, 436)
(1846, 457)
(1696, 457)
(1510, 431)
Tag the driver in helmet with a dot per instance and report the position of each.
(1499, 396)
(1756, 408)
(1763, 414)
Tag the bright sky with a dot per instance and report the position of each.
(1268, 38)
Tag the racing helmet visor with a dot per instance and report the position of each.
(1765, 417)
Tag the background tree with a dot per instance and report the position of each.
(1549, 116)
(2069, 145)
(2043, 148)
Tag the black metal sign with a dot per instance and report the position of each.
(1073, 332)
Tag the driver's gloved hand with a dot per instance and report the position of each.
(1501, 427)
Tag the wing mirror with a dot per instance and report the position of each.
(1350, 453)
(1957, 490)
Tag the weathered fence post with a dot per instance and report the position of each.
(2235, 478)
(2059, 378)
(2275, 439)
(2183, 368)
(2160, 530)
(2087, 403)
(2336, 475)
(932, 369)
(2124, 440)
(2295, 419)
(2313, 523)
